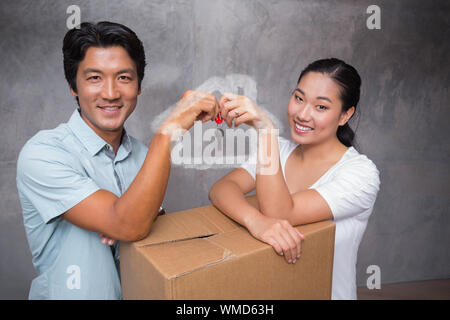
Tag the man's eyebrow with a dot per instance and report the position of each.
(319, 97)
(126, 71)
(89, 70)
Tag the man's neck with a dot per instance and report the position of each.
(114, 138)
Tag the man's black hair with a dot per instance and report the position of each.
(101, 35)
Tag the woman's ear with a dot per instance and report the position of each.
(346, 115)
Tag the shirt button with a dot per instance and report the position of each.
(107, 147)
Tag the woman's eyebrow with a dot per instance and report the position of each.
(297, 89)
(325, 98)
(319, 97)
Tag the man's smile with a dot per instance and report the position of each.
(110, 109)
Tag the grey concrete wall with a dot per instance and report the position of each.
(403, 125)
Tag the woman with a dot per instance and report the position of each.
(317, 175)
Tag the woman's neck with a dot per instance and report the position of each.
(329, 151)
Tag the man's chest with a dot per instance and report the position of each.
(108, 174)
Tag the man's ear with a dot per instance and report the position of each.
(345, 116)
(73, 92)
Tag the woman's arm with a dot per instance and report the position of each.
(274, 197)
(273, 194)
(228, 195)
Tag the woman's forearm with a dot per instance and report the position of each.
(286, 240)
(273, 195)
(229, 198)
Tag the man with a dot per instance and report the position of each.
(88, 176)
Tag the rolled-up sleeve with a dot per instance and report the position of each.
(47, 178)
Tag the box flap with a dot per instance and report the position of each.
(239, 241)
(188, 224)
(175, 259)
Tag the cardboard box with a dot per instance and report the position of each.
(202, 254)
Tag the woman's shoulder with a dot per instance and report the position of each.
(355, 157)
(353, 162)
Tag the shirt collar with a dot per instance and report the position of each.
(126, 141)
(89, 138)
(124, 148)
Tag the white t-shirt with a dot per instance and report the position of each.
(350, 188)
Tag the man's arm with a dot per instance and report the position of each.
(130, 217)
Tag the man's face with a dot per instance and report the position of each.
(107, 85)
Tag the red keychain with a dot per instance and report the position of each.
(219, 132)
(219, 119)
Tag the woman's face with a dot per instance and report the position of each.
(315, 110)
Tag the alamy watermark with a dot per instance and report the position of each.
(374, 20)
(202, 148)
(73, 281)
(374, 280)
(74, 18)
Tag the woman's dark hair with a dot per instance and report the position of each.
(349, 82)
(101, 35)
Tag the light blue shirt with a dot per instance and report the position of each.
(56, 170)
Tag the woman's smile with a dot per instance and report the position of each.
(302, 128)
